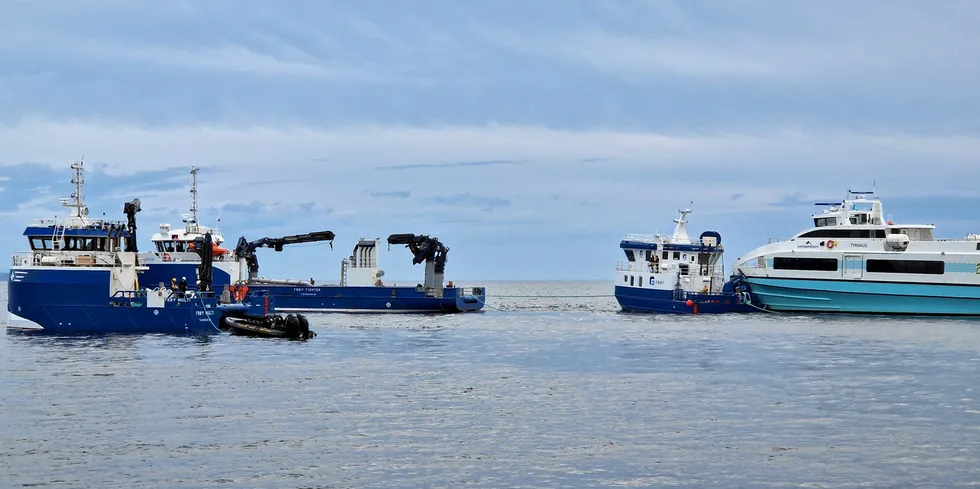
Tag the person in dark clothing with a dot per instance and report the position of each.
(183, 285)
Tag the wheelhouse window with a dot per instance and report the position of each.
(825, 221)
(40, 243)
(629, 255)
(677, 255)
(812, 264)
(181, 246)
(666, 255)
(845, 233)
(925, 267)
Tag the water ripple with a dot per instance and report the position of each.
(538, 392)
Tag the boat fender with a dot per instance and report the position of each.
(292, 326)
(831, 243)
(304, 326)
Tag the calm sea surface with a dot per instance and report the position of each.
(533, 392)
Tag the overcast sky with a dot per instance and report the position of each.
(529, 136)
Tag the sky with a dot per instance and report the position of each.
(529, 137)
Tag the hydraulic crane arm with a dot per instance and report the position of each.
(246, 249)
(130, 209)
(424, 248)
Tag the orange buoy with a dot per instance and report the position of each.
(690, 303)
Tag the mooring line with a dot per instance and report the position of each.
(546, 296)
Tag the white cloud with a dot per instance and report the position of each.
(340, 167)
(889, 45)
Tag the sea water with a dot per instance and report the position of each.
(550, 386)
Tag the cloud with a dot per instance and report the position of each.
(399, 194)
(466, 199)
(833, 42)
(447, 165)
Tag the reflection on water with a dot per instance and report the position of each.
(535, 392)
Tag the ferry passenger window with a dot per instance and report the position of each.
(625, 279)
(694, 259)
(631, 280)
(666, 255)
(812, 264)
(925, 267)
(639, 281)
(677, 255)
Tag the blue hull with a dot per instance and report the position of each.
(162, 273)
(865, 297)
(334, 298)
(635, 299)
(77, 301)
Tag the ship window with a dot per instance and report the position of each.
(639, 281)
(824, 221)
(845, 233)
(40, 243)
(677, 255)
(666, 255)
(978, 246)
(631, 280)
(629, 255)
(625, 279)
(814, 264)
(906, 266)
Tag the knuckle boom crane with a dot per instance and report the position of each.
(246, 249)
(130, 209)
(428, 250)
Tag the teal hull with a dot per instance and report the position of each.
(858, 296)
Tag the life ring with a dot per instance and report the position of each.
(166, 257)
(831, 243)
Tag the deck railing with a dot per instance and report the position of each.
(63, 259)
(643, 238)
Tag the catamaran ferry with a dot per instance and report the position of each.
(854, 260)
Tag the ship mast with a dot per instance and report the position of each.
(77, 201)
(194, 170)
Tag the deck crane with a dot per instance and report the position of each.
(130, 209)
(246, 249)
(428, 250)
